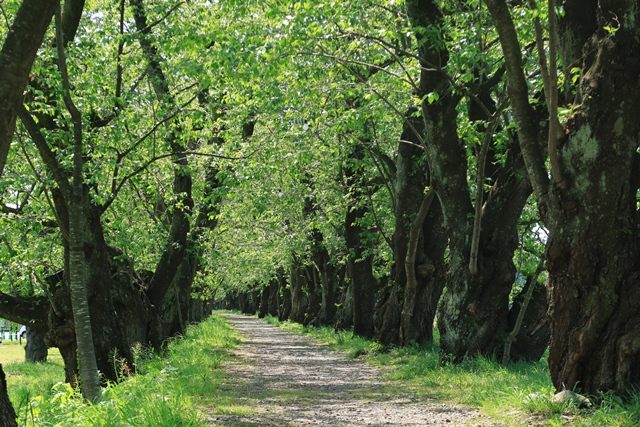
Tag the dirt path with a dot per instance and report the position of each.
(292, 381)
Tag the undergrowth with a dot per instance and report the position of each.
(173, 389)
(516, 394)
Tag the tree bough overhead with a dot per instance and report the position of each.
(386, 167)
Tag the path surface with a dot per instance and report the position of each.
(292, 381)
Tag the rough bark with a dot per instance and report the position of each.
(344, 315)
(327, 277)
(418, 244)
(313, 292)
(36, 349)
(7, 414)
(274, 298)
(472, 316)
(592, 258)
(16, 58)
(28, 311)
(420, 295)
(592, 255)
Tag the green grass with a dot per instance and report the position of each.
(179, 388)
(516, 394)
(28, 380)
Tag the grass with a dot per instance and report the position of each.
(27, 380)
(179, 388)
(516, 394)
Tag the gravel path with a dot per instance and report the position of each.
(291, 380)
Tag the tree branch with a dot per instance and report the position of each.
(16, 58)
(519, 95)
(47, 155)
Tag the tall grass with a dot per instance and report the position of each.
(178, 388)
(515, 394)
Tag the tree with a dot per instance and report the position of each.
(89, 382)
(589, 202)
(482, 239)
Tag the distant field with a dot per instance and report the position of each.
(12, 352)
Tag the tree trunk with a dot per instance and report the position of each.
(474, 311)
(533, 336)
(274, 298)
(36, 350)
(590, 204)
(88, 369)
(472, 316)
(314, 292)
(327, 276)
(344, 314)
(298, 298)
(427, 271)
(284, 310)
(424, 237)
(363, 286)
(263, 309)
(7, 414)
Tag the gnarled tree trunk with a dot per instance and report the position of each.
(590, 203)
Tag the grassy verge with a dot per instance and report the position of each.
(179, 388)
(516, 394)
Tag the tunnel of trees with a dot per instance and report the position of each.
(465, 172)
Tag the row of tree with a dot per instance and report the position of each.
(534, 116)
(373, 165)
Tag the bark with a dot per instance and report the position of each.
(174, 253)
(592, 255)
(418, 244)
(297, 282)
(263, 309)
(274, 298)
(284, 310)
(28, 311)
(344, 314)
(519, 95)
(16, 59)
(7, 414)
(88, 369)
(327, 276)
(36, 349)
(363, 286)
(533, 336)
(420, 295)
(473, 312)
(313, 292)
(592, 259)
